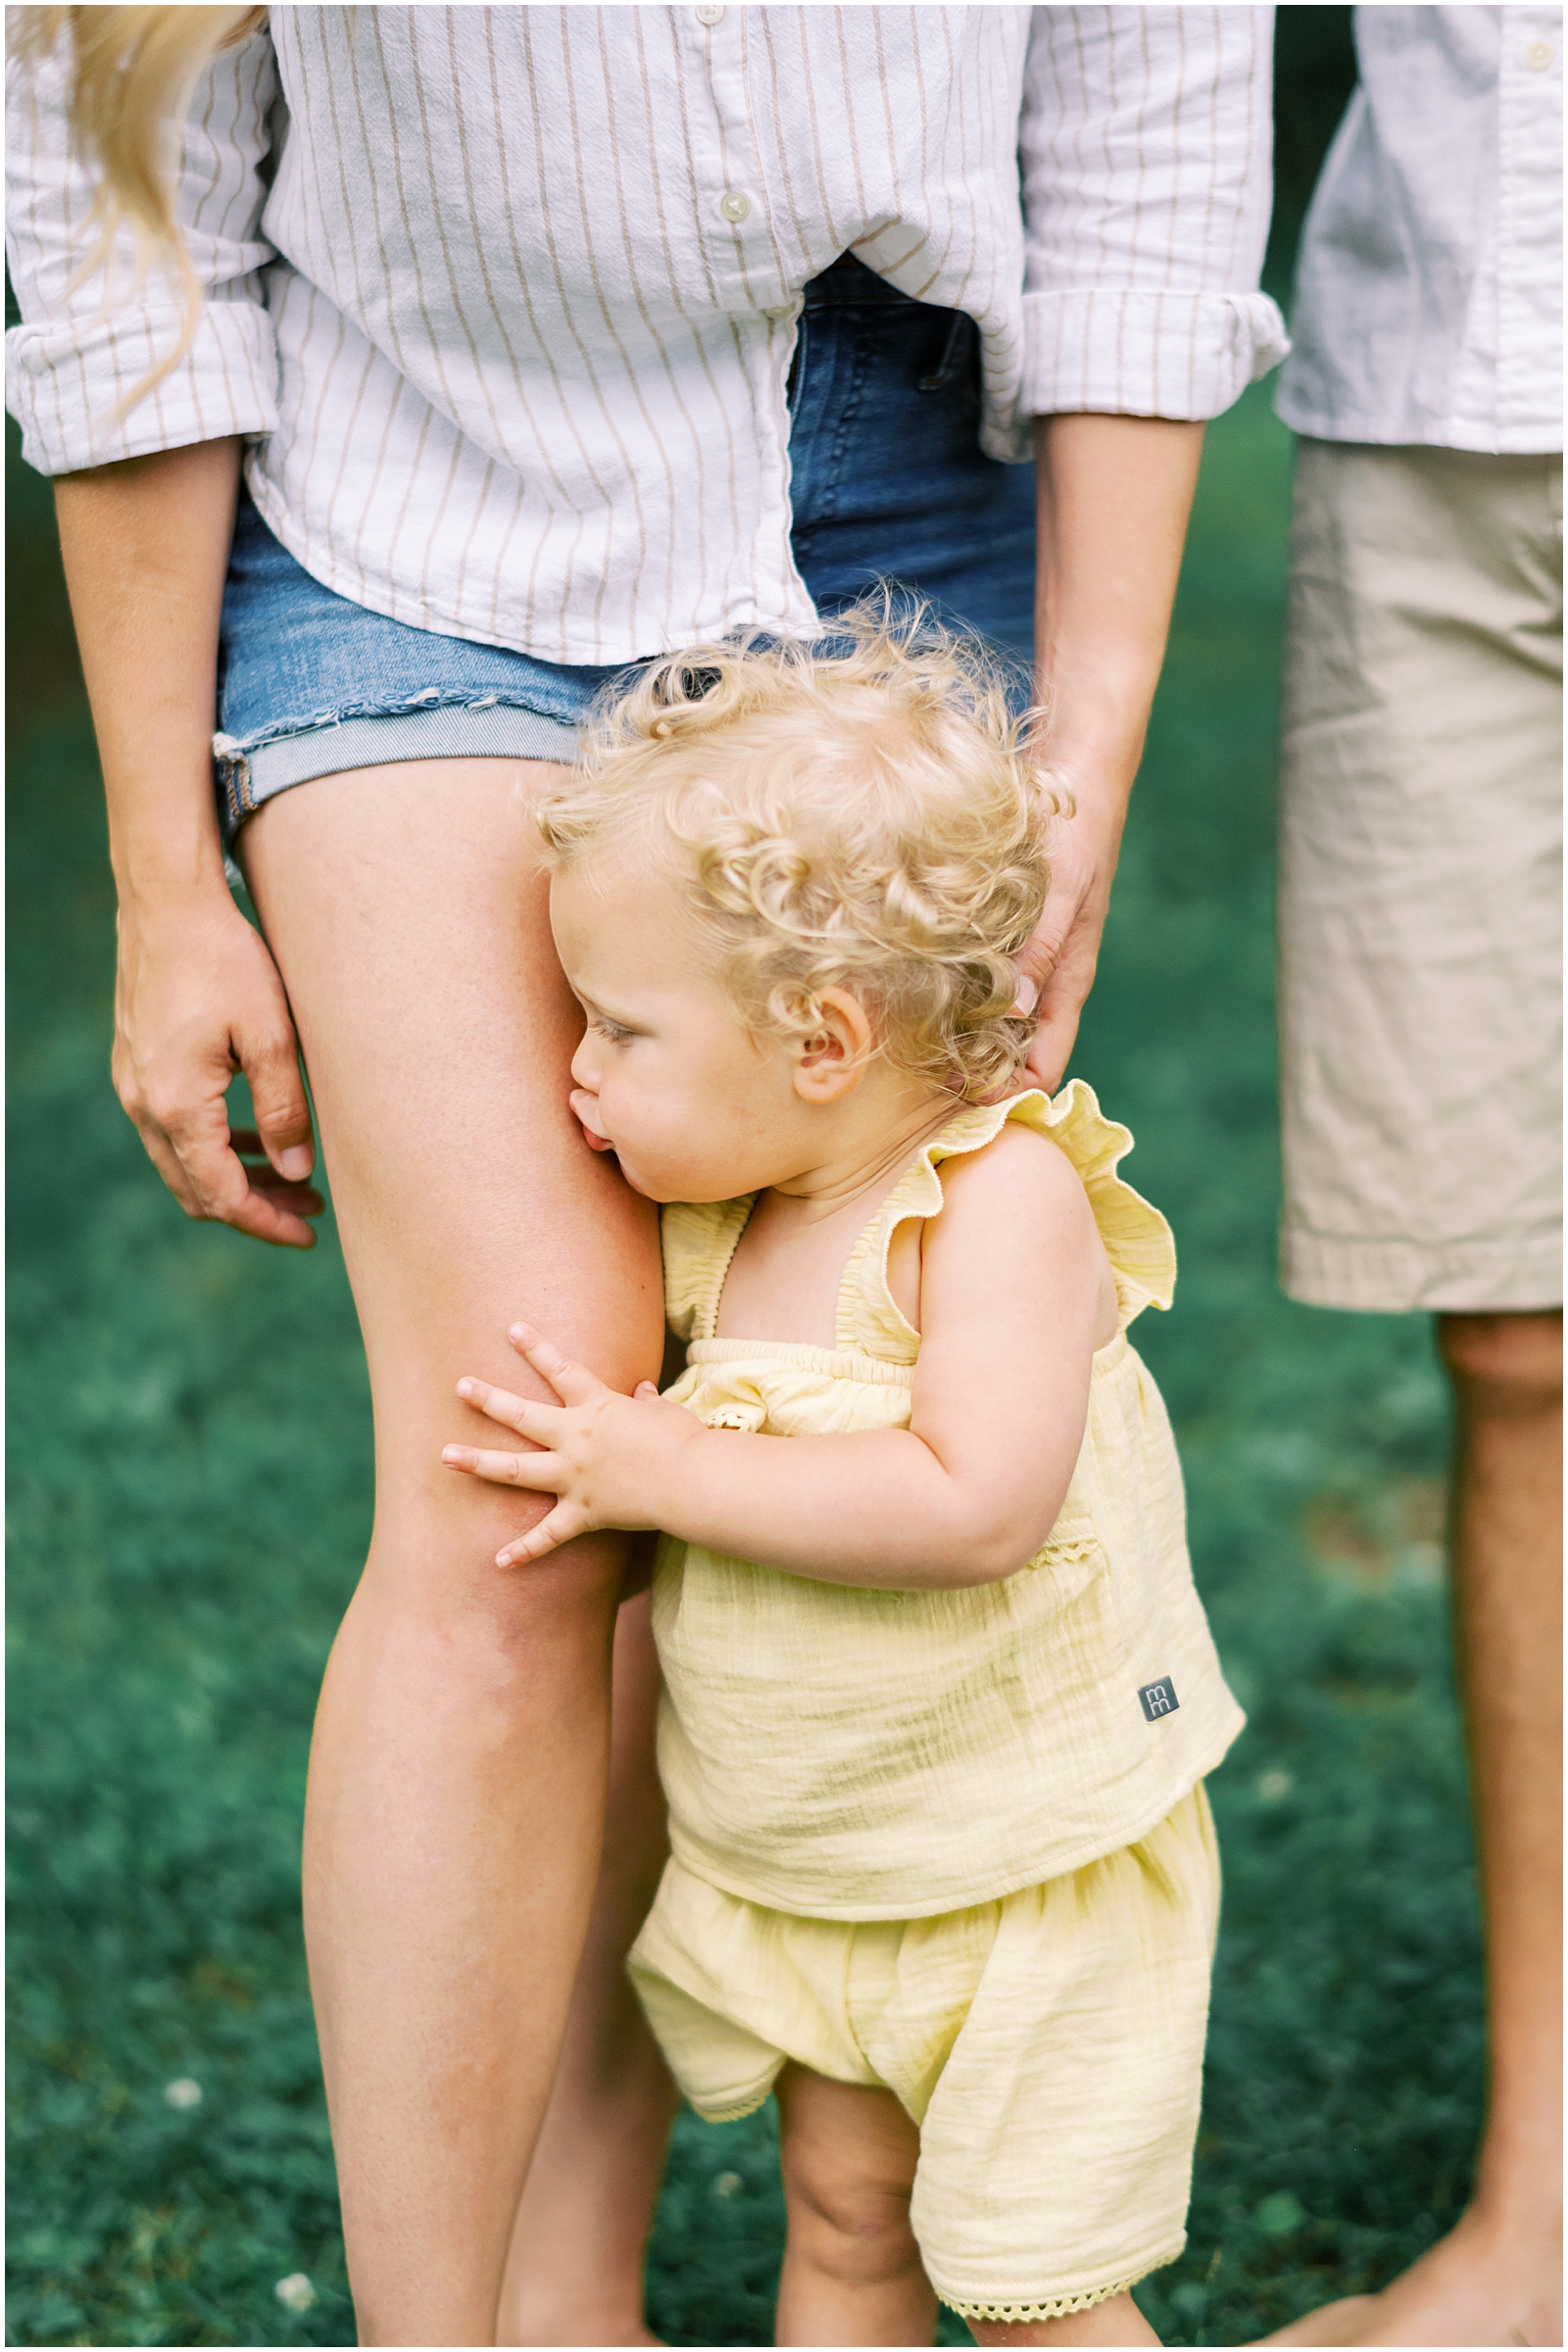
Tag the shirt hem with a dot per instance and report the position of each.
(564, 653)
(1035, 1872)
(1542, 440)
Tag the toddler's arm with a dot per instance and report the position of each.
(1013, 1299)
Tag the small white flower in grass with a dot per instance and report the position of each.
(295, 2292)
(184, 2092)
(727, 2184)
(1273, 1787)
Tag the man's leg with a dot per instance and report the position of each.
(1420, 1027)
(1496, 2278)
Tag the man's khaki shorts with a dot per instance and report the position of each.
(1420, 864)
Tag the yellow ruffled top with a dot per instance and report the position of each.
(849, 1753)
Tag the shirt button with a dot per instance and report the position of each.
(710, 16)
(1538, 56)
(734, 206)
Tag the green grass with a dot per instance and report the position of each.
(190, 1495)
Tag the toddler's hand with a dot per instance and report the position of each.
(605, 1455)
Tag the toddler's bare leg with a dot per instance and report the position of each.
(852, 2268)
(575, 2271)
(1118, 2321)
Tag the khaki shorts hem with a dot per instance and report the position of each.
(1025, 2310)
(1400, 1278)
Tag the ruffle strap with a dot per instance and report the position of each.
(1139, 1243)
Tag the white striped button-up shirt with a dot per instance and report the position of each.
(506, 297)
(1429, 297)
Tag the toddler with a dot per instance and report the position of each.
(939, 1693)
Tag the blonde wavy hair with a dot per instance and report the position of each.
(133, 71)
(856, 812)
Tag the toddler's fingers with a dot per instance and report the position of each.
(526, 1414)
(573, 1383)
(556, 1528)
(541, 1473)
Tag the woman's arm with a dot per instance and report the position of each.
(1014, 1290)
(197, 996)
(1144, 144)
(145, 491)
(1114, 494)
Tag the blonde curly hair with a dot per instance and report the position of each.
(855, 812)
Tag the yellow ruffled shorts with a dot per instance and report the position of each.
(1050, 2046)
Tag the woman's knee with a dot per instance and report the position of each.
(1505, 1365)
(432, 1572)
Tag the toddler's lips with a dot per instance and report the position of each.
(591, 1135)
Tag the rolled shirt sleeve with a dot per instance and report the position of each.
(85, 343)
(1145, 148)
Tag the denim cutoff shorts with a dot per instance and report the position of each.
(889, 482)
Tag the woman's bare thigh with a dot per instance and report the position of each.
(408, 914)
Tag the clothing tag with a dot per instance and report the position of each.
(1158, 1699)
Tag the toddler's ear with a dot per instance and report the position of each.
(832, 1058)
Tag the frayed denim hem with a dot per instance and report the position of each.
(253, 770)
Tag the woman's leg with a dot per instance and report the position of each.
(575, 2271)
(852, 2268)
(457, 1771)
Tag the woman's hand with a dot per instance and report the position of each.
(145, 546)
(1114, 493)
(1056, 968)
(607, 1456)
(197, 998)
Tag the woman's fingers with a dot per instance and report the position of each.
(194, 998)
(252, 1201)
(526, 1414)
(573, 1383)
(283, 1191)
(542, 1473)
(1056, 967)
(270, 1056)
